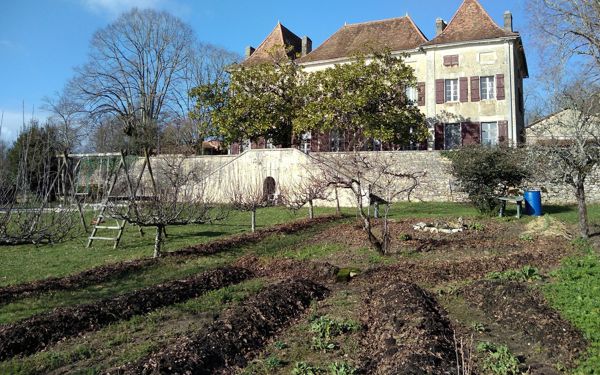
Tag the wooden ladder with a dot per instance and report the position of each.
(119, 227)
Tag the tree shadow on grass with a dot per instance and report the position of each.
(556, 209)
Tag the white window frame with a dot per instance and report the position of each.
(489, 142)
(306, 142)
(487, 88)
(245, 145)
(451, 90)
(335, 140)
(412, 94)
(455, 125)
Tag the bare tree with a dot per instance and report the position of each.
(133, 67)
(370, 178)
(311, 187)
(248, 195)
(567, 29)
(68, 116)
(173, 195)
(567, 149)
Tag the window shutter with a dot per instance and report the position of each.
(475, 89)
(421, 93)
(439, 136)
(447, 60)
(471, 133)
(500, 94)
(464, 89)
(503, 132)
(439, 91)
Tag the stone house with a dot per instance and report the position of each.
(470, 75)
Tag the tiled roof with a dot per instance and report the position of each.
(396, 34)
(281, 43)
(471, 22)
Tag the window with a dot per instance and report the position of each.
(451, 60)
(452, 136)
(452, 90)
(489, 133)
(245, 145)
(487, 88)
(269, 144)
(306, 140)
(412, 94)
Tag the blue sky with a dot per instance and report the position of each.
(41, 41)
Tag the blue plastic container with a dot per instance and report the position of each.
(533, 202)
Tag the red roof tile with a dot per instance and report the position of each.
(471, 22)
(396, 34)
(281, 43)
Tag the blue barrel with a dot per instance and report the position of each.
(533, 202)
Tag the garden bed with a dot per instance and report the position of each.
(407, 333)
(34, 334)
(230, 341)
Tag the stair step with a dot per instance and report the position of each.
(105, 227)
(103, 238)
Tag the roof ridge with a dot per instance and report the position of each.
(376, 21)
(476, 2)
(417, 27)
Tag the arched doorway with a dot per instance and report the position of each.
(269, 189)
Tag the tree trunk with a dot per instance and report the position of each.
(158, 241)
(253, 219)
(582, 210)
(337, 202)
(311, 210)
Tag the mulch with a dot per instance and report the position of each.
(115, 270)
(34, 334)
(282, 269)
(518, 306)
(229, 342)
(407, 332)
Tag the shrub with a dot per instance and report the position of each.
(498, 359)
(487, 172)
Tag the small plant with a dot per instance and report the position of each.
(303, 368)
(526, 273)
(498, 359)
(272, 362)
(526, 237)
(478, 227)
(405, 237)
(280, 345)
(325, 329)
(341, 368)
(478, 327)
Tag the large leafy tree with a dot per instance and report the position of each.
(257, 101)
(365, 98)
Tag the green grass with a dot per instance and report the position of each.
(575, 292)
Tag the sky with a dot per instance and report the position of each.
(42, 41)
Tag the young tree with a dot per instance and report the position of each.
(133, 66)
(365, 98)
(369, 178)
(257, 101)
(248, 195)
(570, 151)
(68, 116)
(311, 187)
(171, 194)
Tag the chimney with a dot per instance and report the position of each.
(249, 51)
(508, 19)
(306, 46)
(440, 25)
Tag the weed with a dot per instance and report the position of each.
(280, 345)
(498, 359)
(478, 227)
(526, 237)
(341, 368)
(405, 237)
(272, 362)
(303, 368)
(526, 273)
(325, 329)
(478, 327)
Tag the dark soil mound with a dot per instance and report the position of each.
(116, 270)
(519, 307)
(289, 269)
(238, 332)
(408, 333)
(35, 333)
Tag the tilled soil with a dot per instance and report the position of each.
(33, 334)
(115, 270)
(225, 345)
(519, 307)
(282, 269)
(407, 332)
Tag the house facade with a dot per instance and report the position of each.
(470, 75)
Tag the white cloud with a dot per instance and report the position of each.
(115, 7)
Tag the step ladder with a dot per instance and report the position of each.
(98, 224)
